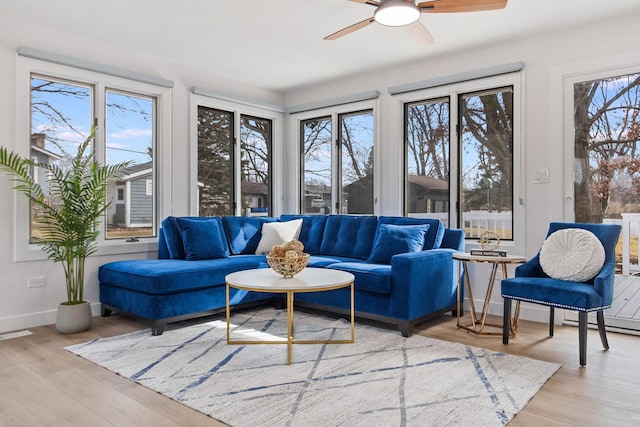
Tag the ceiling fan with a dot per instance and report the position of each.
(405, 13)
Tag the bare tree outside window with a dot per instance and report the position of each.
(606, 156)
(427, 137)
(351, 191)
(486, 145)
(356, 167)
(316, 161)
(255, 146)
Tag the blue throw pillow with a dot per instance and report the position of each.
(396, 239)
(202, 239)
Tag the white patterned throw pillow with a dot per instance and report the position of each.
(572, 254)
(277, 233)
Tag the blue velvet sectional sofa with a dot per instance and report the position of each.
(196, 253)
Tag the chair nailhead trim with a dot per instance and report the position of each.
(568, 307)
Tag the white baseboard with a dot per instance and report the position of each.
(32, 320)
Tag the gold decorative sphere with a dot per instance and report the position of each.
(489, 241)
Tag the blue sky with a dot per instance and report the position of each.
(63, 111)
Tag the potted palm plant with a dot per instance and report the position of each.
(69, 214)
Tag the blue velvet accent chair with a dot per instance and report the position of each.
(531, 284)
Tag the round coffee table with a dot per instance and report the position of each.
(308, 280)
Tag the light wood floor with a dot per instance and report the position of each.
(41, 384)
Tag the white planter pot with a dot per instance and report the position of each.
(73, 318)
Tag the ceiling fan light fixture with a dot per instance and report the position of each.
(396, 13)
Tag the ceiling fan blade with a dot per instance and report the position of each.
(452, 6)
(350, 29)
(371, 2)
(419, 33)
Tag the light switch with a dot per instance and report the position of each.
(541, 176)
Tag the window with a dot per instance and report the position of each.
(130, 136)
(62, 115)
(316, 159)
(340, 180)
(233, 179)
(473, 166)
(215, 154)
(606, 147)
(62, 104)
(486, 162)
(255, 161)
(427, 158)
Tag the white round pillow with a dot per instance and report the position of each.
(572, 254)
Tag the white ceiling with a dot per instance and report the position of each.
(279, 44)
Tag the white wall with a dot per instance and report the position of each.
(547, 60)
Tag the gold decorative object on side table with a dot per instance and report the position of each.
(478, 320)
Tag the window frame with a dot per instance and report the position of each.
(28, 67)
(237, 109)
(295, 155)
(453, 92)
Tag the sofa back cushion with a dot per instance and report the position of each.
(349, 236)
(311, 232)
(244, 232)
(433, 237)
(174, 240)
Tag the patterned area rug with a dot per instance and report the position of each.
(383, 379)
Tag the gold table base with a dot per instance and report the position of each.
(479, 320)
(290, 339)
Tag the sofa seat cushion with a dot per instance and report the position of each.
(557, 293)
(164, 276)
(325, 260)
(368, 277)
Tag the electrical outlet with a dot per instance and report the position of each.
(36, 282)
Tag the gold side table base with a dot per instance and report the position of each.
(290, 340)
(479, 320)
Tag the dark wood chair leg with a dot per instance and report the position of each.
(582, 336)
(506, 321)
(552, 316)
(602, 330)
(406, 328)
